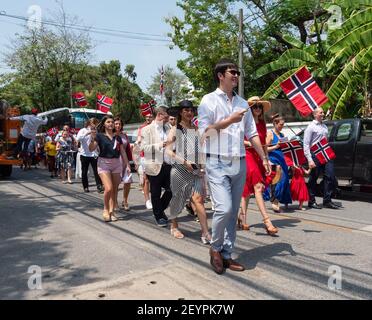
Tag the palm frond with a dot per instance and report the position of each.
(274, 90)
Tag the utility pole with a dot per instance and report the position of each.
(71, 100)
(241, 43)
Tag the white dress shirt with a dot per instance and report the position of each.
(31, 125)
(161, 129)
(229, 142)
(84, 140)
(315, 132)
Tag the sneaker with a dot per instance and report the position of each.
(164, 216)
(148, 205)
(86, 190)
(161, 222)
(100, 189)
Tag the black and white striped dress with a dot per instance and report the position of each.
(183, 182)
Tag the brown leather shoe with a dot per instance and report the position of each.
(216, 261)
(232, 265)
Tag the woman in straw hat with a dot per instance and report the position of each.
(256, 180)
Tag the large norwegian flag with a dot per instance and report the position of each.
(323, 151)
(104, 103)
(302, 90)
(293, 153)
(79, 98)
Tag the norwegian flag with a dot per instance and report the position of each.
(323, 151)
(162, 81)
(52, 132)
(293, 153)
(195, 121)
(79, 98)
(302, 90)
(104, 103)
(147, 109)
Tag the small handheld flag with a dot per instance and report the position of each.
(104, 103)
(323, 151)
(293, 153)
(52, 132)
(80, 100)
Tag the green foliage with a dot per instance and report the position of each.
(206, 33)
(49, 66)
(176, 87)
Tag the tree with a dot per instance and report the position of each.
(176, 86)
(342, 64)
(209, 31)
(351, 52)
(46, 61)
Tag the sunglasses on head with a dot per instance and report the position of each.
(234, 72)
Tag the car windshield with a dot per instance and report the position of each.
(81, 117)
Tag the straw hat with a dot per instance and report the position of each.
(254, 100)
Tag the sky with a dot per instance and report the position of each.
(139, 16)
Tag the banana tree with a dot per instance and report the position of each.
(342, 64)
(351, 53)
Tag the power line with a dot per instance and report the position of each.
(106, 41)
(103, 31)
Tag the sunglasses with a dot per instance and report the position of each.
(257, 106)
(234, 72)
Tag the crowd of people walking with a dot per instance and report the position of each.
(229, 156)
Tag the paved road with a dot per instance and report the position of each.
(59, 228)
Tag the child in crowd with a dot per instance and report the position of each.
(51, 152)
(299, 191)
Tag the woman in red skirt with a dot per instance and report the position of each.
(299, 191)
(256, 180)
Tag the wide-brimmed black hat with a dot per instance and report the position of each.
(174, 111)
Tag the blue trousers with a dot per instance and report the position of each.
(329, 180)
(226, 181)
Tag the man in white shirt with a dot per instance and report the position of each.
(29, 130)
(88, 157)
(224, 120)
(315, 132)
(154, 140)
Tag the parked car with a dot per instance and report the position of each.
(351, 139)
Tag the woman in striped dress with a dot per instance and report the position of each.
(187, 171)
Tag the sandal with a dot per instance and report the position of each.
(106, 216)
(175, 232)
(241, 225)
(113, 217)
(270, 229)
(125, 206)
(206, 238)
(276, 207)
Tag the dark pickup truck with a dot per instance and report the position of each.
(351, 139)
